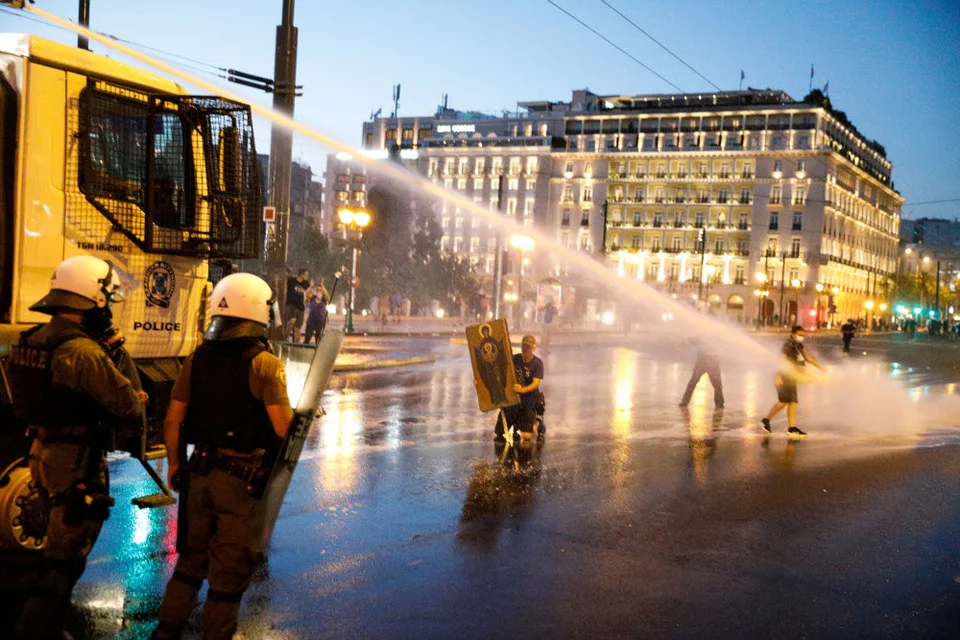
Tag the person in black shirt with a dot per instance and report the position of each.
(847, 331)
(529, 372)
(294, 308)
(797, 358)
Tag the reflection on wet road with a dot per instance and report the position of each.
(405, 520)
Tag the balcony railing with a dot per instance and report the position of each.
(743, 226)
(746, 200)
(658, 223)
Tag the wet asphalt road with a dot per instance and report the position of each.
(634, 519)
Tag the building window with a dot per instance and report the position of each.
(744, 222)
(635, 242)
(457, 245)
(776, 192)
(565, 220)
(462, 168)
(569, 169)
(445, 243)
(514, 166)
(637, 219)
(445, 222)
(720, 246)
(656, 244)
(740, 278)
(774, 221)
(778, 165)
(512, 184)
(795, 248)
(745, 195)
(723, 197)
(461, 184)
(448, 183)
(531, 185)
(725, 171)
(585, 219)
(797, 221)
(658, 219)
(511, 206)
(794, 274)
(433, 167)
(799, 195)
(565, 239)
(343, 196)
(801, 165)
(477, 184)
(474, 245)
(771, 246)
(531, 165)
(677, 243)
(588, 194)
(568, 193)
(528, 207)
(458, 223)
(699, 219)
(674, 271)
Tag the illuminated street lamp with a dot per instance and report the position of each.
(355, 222)
(796, 284)
(761, 278)
(524, 244)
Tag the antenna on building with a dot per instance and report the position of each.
(445, 96)
(375, 114)
(396, 100)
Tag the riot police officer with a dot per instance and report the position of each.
(65, 389)
(231, 400)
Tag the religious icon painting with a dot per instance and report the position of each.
(492, 359)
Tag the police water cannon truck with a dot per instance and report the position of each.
(103, 159)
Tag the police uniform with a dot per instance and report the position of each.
(65, 386)
(226, 385)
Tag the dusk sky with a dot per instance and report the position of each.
(893, 67)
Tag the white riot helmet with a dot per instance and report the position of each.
(81, 283)
(243, 296)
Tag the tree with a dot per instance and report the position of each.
(311, 250)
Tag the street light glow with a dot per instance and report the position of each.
(819, 287)
(361, 219)
(522, 242)
(795, 283)
(761, 277)
(883, 306)
(836, 291)
(346, 216)
(868, 304)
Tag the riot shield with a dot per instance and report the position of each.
(288, 455)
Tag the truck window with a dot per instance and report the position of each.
(176, 174)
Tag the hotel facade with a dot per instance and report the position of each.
(741, 203)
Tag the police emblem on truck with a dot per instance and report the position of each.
(159, 284)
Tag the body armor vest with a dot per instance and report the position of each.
(37, 401)
(222, 411)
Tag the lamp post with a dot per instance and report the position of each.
(819, 303)
(761, 294)
(356, 222)
(869, 306)
(524, 244)
(836, 292)
(709, 272)
(796, 284)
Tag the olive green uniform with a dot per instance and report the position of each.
(60, 460)
(220, 515)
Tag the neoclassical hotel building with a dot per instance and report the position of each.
(726, 200)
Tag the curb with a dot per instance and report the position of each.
(384, 364)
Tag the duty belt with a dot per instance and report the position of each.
(66, 435)
(237, 466)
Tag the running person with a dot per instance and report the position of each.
(797, 359)
(529, 372)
